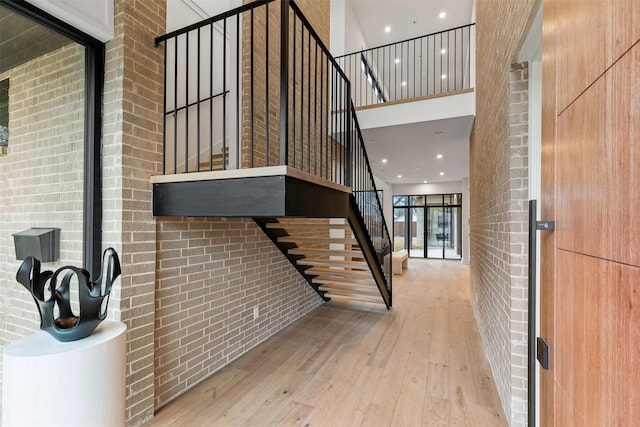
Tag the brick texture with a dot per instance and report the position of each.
(132, 144)
(211, 275)
(42, 174)
(498, 190)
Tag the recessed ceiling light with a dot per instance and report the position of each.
(397, 61)
(441, 173)
(444, 76)
(439, 156)
(425, 181)
(442, 14)
(384, 160)
(399, 176)
(443, 51)
(404, 83)
(387, 29)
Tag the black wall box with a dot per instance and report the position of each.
(39, 242)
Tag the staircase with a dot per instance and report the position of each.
(216, 163)
(300, 170)
(328, 255)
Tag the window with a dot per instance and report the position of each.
(4, 116)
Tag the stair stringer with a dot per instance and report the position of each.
(366, 245)
(356, 225)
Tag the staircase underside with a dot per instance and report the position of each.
(312, 221)
(276, 191)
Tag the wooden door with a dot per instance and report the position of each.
(590, 266)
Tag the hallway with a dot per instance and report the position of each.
(421, 364)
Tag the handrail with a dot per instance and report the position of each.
(406, 40)
(368, 164)
(321, 44)
(208, 21)
(434, 63)
(218, 92)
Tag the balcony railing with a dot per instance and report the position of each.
(257, 87)
(428, 65)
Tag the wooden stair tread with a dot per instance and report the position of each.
(354, 298)
(349, 289)
(318, 240)
(352, 281)
(216, 160)
(342, 272)
(293, 225)
(361, 265)
(327, 252)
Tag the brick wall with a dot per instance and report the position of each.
(42, 174)
(132, 144)
(518, 237)
(498, 195)
(211, 275)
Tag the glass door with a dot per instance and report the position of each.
(400, 229)
(444, 226)
(417, 246)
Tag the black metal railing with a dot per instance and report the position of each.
(422, 66)
(257, 87)
(367, 197)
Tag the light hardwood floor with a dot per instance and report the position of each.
(420, 364)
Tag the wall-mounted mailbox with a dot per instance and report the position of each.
(39, 242)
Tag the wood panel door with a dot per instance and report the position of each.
(590, 266)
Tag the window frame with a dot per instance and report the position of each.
(94, 83)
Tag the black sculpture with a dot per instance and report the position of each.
(56, 316)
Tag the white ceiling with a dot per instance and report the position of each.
(408, 18)
(411, 149)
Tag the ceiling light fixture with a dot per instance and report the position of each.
(384, 160)
(397, 60)
(387, 29)
(441, 173)
(399, 176)
(425, 181)
(439, 156)
(404, 83)
(443, 51)
(442, 14)
(444, 76)
(438, 133)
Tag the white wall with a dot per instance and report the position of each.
(94, 17)
(346, 32)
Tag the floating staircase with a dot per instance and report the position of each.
(328, 255)
(300, 170)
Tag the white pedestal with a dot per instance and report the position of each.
(80, 383)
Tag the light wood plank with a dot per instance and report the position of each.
(349, 365)
(342, 281)
(318, 262)
(326, 252)
(341, 272)
(317, 240)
